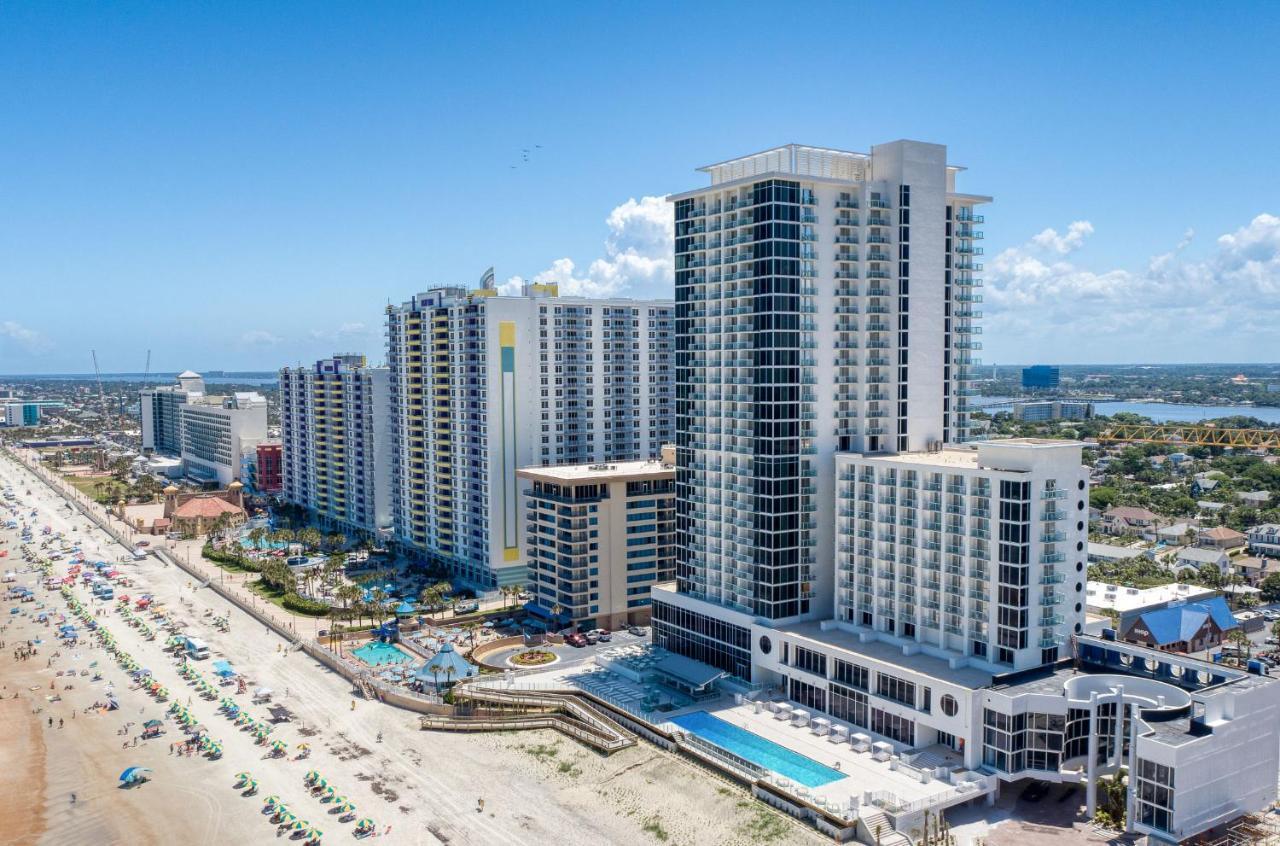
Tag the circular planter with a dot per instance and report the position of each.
(533, 658)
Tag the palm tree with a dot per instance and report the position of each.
(472, 628)
(337, 540)
(1240, 640)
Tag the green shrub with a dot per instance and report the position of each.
(302, 605)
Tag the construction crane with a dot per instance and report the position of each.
(1188, 435)
(101, 394)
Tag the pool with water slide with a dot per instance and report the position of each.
(757, 750)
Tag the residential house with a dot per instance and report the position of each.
(1187, 627)
(1254, 569)
(1194, 557)
(1129, 520)
(1203, 484)
(1254, 498)
(1265, 539)
(1105, 553)
(1176, 534)
(1220, 537)
(1210, 508)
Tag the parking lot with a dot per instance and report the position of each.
(571, 655)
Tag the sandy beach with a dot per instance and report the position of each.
(537, 787)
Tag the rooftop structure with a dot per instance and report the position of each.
(1107, 597)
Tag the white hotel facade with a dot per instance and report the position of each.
(483, 384)
(838, 542)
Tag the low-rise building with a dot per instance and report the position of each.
(1253, 569)
(1190, 626)
(1254, 498)
(1106, 553)
(598, 537)
(1265, 539)
(1129, 520)
(1194, 557)
(1105, 598)
(1034, 412)
(1221, 537)
(268, 475)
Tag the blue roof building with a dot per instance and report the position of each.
(446, 668)
(1187, 627)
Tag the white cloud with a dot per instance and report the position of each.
(637, 259)
(260, 337)
(1049, 239)
(1218, 307)
(355, 329)
(26, 339)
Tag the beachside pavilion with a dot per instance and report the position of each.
(445, 668)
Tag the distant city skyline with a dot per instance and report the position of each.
(251, 186)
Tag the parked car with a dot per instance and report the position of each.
(638, 631)
(605, 635)
(592, 638)
(576, 639)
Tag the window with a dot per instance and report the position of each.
(1154, 794)
(808, 695)
(848, 705)
(896, 689)
(852, 675)
(949, 704)
(810, 661)
(893, 727)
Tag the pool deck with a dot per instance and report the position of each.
(863, 773)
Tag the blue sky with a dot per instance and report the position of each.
(247, 185)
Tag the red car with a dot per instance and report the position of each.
(576, 639)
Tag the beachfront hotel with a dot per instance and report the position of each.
(841, 548)
(483, 384)
(598, 537)
(212, 434)
(335, 428)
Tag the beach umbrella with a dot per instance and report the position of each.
(271, 801)
(152, 724)
(299, 825)
(242, 776)
(364, 822)
(253, 786)
(331, 792)
(312, 776)
(315, 834)
(133, 774)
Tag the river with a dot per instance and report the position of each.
(1163, 412)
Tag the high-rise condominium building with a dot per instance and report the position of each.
(159, 406)
(836, 542)
(483, 384)
(824, 302)
(335, 426)
(219, 432)
(212, 434)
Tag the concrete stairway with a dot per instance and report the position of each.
(869, 818)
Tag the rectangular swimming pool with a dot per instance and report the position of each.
(757, 750)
